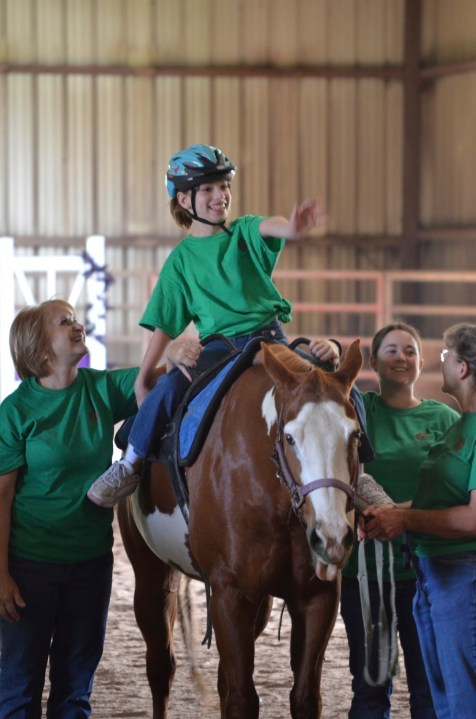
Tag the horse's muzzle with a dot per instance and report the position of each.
(330, 550)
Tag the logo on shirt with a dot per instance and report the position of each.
(459, 444)
(242, 246)
(422, 436)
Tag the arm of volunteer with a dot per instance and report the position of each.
(452, 523)
(10, 597)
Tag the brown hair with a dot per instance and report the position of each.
(462, 339)
(182, 217)
(29, 344)
(383, 332)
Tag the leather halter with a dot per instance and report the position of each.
(297, 491)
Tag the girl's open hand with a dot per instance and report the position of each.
(306, 217)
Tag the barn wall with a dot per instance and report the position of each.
(307, 97)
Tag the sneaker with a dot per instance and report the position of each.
(370, 492)
(118, 481)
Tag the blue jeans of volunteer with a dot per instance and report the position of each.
(374, 702)
(64, 621)
(162, 401)
(445, 615)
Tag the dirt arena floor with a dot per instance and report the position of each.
(121, 688)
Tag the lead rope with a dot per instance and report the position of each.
(388, 645)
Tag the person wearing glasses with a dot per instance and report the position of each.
(401, 428)
(442, 521)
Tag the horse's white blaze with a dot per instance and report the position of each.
(321, 433)
(166, 535)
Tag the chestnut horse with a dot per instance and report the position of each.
(253, 536)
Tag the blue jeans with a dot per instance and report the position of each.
(445, 615)
(159, 405)
(64, 620)
(374, 702)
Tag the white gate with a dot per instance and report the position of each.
(89, 271)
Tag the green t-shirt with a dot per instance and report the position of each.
(447, 477)
(222, 283)
(61, 441)
(401, 439)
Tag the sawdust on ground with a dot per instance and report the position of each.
(121, 689)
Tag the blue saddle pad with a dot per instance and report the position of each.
(197, 408)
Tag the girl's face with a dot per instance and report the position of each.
(66, 336)
(212, 200)
(398, 361)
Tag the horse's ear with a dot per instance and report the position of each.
(282, 364)
(351, 365)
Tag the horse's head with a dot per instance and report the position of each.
(317, 443)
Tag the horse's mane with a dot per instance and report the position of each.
(293, 362)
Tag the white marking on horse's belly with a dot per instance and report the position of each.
(166, 535)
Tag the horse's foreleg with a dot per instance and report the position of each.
(155, 607)
(234, 620)
(312, 626)
(261, 621)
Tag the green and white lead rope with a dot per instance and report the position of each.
(387, 632)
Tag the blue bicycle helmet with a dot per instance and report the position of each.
(196, 165)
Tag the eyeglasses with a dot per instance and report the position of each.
(445, 353)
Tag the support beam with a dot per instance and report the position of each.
(388, 72)
(411, 134)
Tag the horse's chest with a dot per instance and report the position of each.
(166, 535)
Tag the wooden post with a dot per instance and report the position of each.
(411, 135)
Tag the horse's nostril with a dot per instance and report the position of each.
(317, 545)
(330, 550)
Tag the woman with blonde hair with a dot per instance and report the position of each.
(56, 561)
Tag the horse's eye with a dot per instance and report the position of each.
(357, 438)
(290, 440)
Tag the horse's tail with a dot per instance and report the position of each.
(185, 608)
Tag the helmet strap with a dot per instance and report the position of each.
(201, 219)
